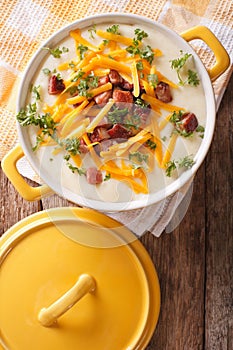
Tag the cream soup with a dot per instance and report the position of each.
(129, 169)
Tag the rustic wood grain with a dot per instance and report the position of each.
(13, 206)
(180, 260)
(219, 231)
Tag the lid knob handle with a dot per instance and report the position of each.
(85, 284)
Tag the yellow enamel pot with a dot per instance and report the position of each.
(49, 174)
(72, 278)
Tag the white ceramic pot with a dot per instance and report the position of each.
(52, 182)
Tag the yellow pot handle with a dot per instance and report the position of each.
(48, 316)
(221, 55)
(26, 191)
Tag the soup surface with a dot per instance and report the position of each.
(115, 112)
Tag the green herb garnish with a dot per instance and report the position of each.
(92, 31)
(178, 64)
(147, 53)
(46, 71)
(35, 91)
(115, 116)
(139, 102)
(82, 49)
(107, 177)
(29, 116)
(57, 52)
(153, 79)
(114, 29)
(193, 78)
(78, 76)
(186, 162)
(151, 144)
(140, 34)
(105, 42)
(170, 167)
(138, 157)
(139, 65)
(74, 169)
(136, 49)
(201, 130)
(72, 145)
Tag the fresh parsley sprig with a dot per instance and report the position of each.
(82, 49)
(114, 29)
(117, 114)
(29, 116)
(72, 145)
(138, 157)
(75, 169)
(136, 49)
(187, 162)
(178, 63)
(91, 31)
(35, 90)
(151, 144)
(56, 52)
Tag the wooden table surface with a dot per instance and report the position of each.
(195, 261)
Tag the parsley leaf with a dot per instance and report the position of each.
(186, 162)
(116, 114)
(72, 145)
(78, 76)
(178, 64)
(105, 42)
(147, 53)
(170, 167)
(107, 177)
(193, 78)
(91, 31)
(74, 169)
(201, 130)
(46, 71)
(57, 52)
(153, 79)
(29, 116)
(139, 65)
(140, 34)
(134, 49)
(138, 158)
(82, 49)
(151, 144)
(114, 29)
(35, 91)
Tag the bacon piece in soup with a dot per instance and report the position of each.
(56, 85)
(103, 97)
(122, 96)
(94, 176)
(115, 77)
(189, 122)
(163, 92)
(103, 80)
(119, 132)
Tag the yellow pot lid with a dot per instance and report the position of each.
(72, 278)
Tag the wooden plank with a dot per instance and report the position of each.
(13, 206)
(219, 254)
(55, 201)
(179, 257)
